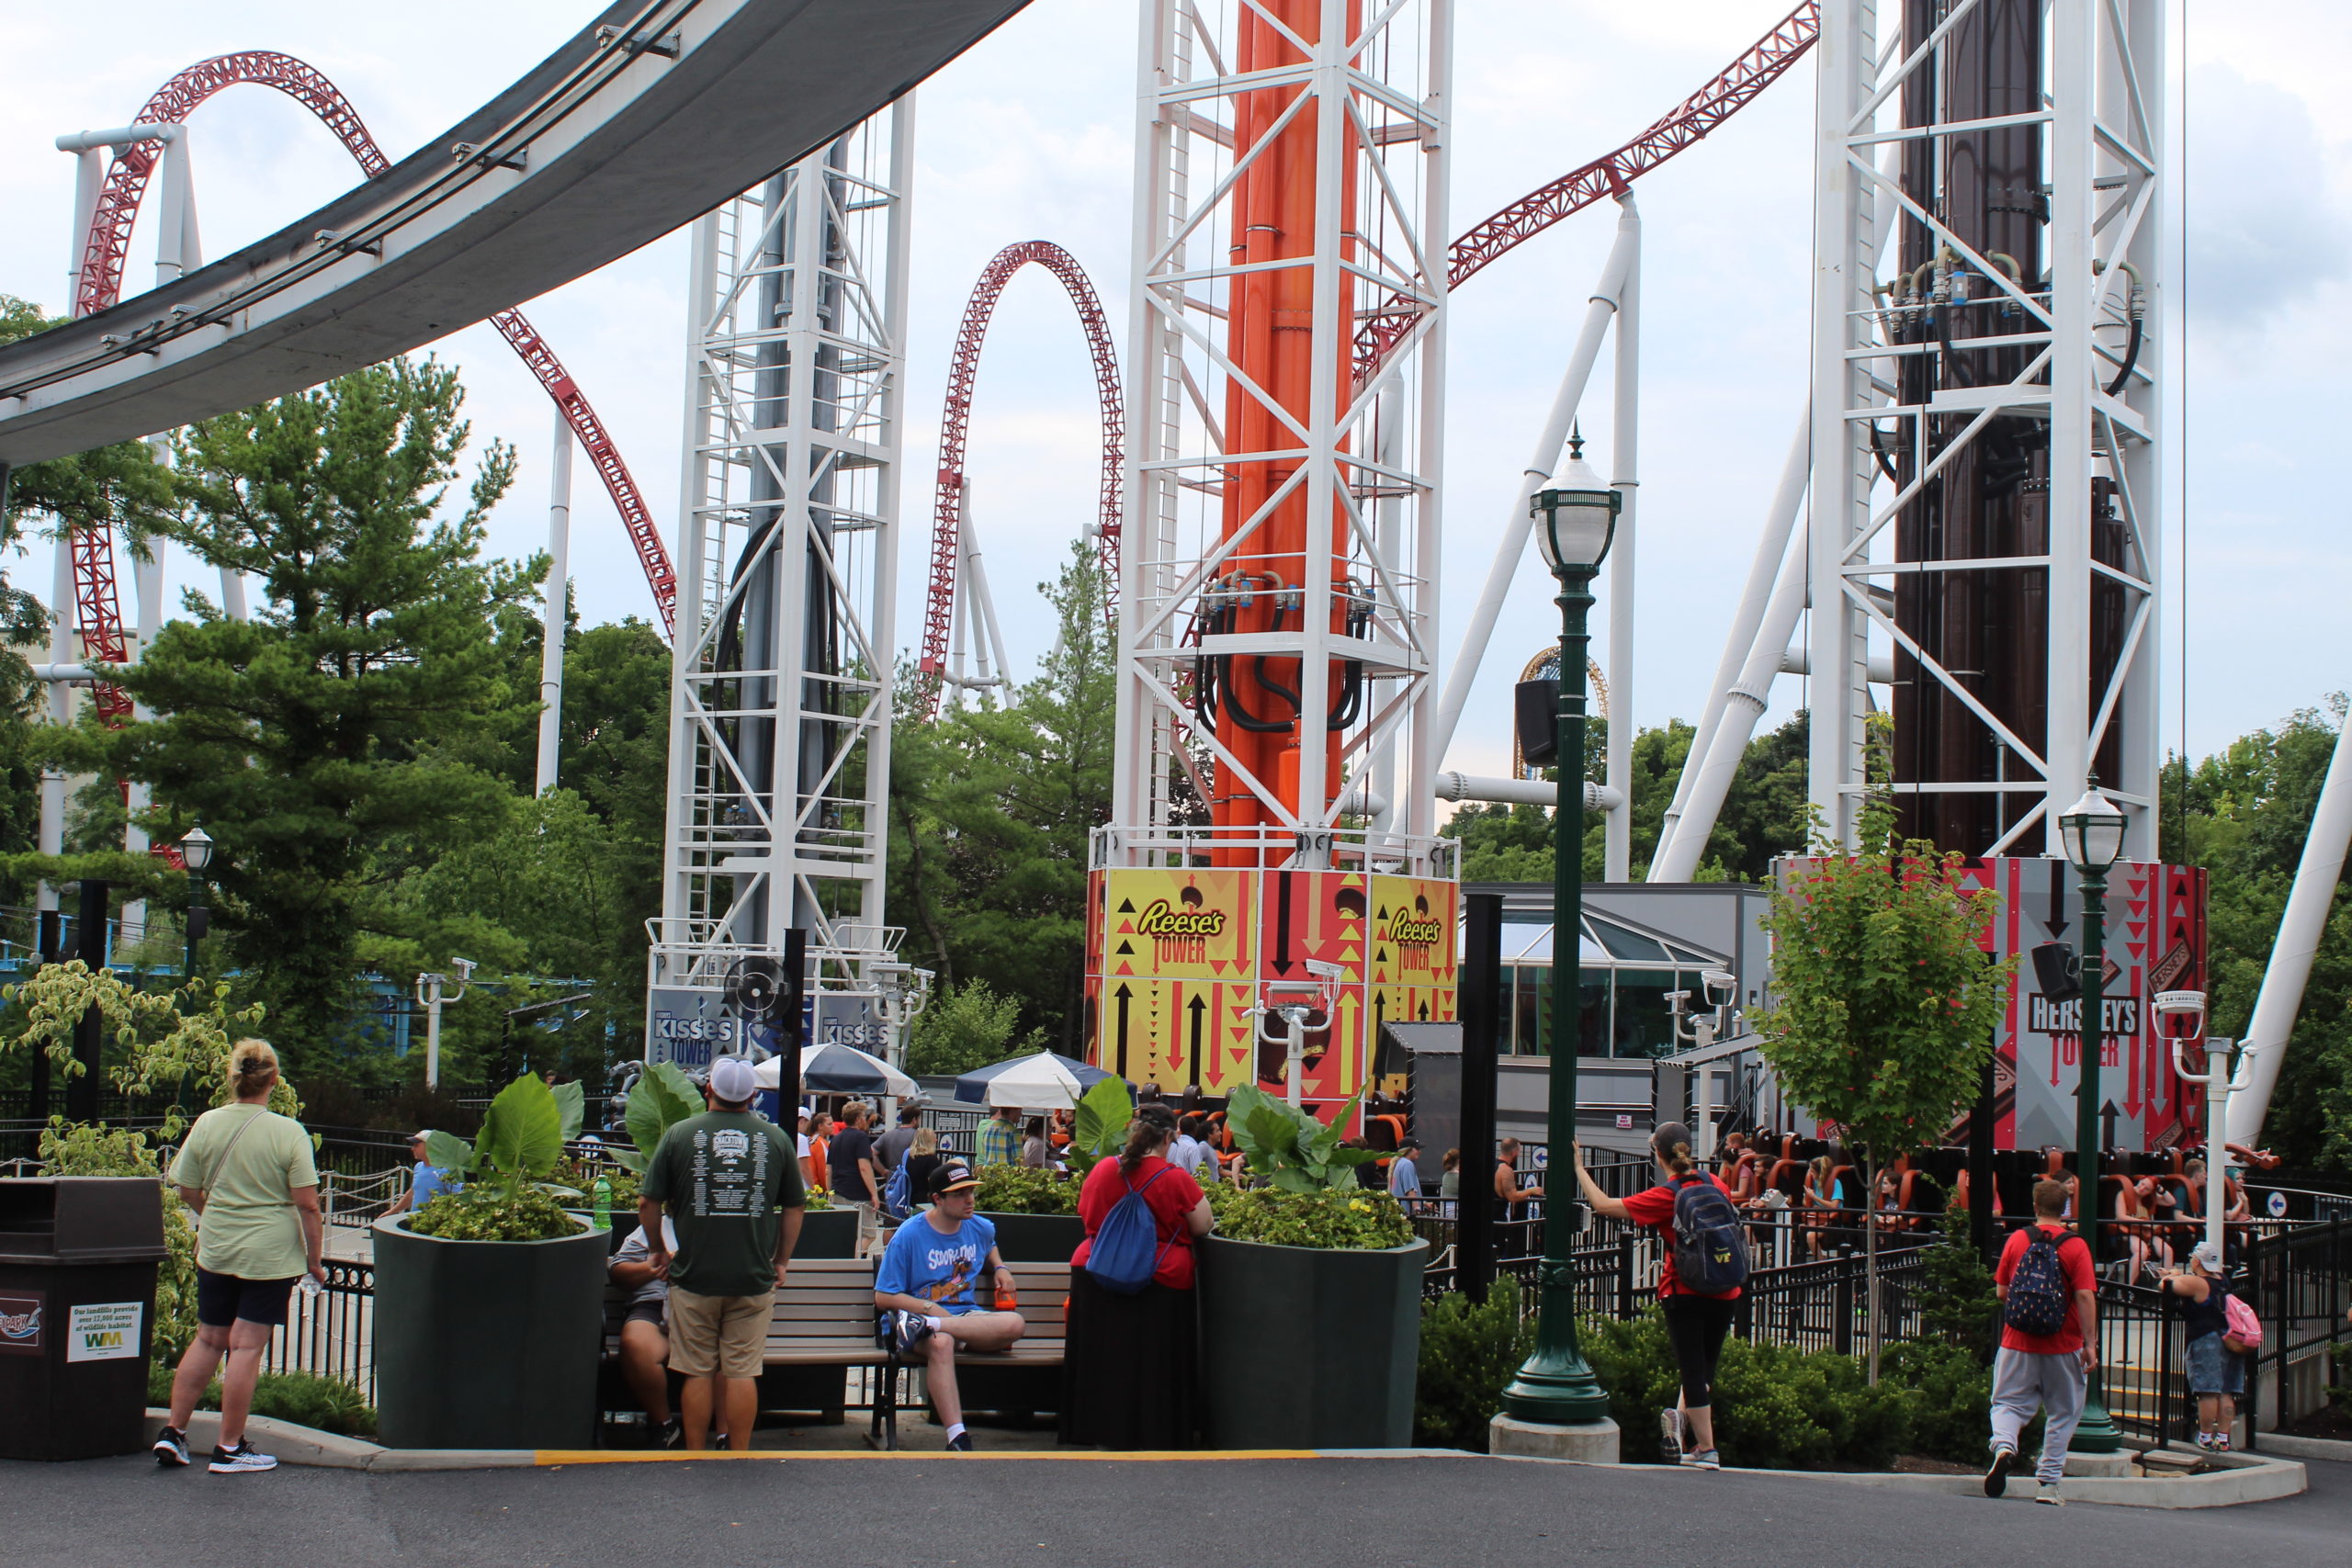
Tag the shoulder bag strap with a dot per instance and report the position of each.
(235, 1139)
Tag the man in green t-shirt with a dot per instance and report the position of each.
(732, 1184)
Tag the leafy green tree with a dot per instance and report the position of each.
(116, 486)
(1763, 815)
(2243, 814)
(967, 1027)
(313, 740)
(991, 810)
(1883, 1002)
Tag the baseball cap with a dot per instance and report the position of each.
(952, 1177)
(420, 1136)
(2206, 1256)
(732, 1079)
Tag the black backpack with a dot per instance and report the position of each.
(1709, 1247)
(2038, 1295)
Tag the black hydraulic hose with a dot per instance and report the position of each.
(1352, 697)
(2130, 358)
(1242, 716)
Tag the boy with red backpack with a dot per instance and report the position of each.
(2048, 1294)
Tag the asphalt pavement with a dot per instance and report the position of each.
(1101, 1513)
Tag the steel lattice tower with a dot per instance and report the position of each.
(783, 682)
(1987, 478)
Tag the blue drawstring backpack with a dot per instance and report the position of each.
(1127, 1248)
(897, 1192)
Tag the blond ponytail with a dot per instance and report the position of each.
(253, 1068)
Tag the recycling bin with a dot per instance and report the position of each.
(78, 1255)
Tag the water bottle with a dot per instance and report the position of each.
(603, 1191)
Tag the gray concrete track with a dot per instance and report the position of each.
(1343, 1512)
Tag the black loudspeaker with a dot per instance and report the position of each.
(1535, 706)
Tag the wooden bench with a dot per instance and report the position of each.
(824, 1324)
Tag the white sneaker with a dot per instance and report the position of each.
(1705, 1459)
(240, 1460)
(1669, 1421)
(2047, 1493)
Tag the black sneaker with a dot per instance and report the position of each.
(240, 1460)
(171, 1448)
(1997, 1474)
(961, 1443)
(673, 1433)
(908, 1329)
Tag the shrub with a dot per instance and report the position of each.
(1290, 1148)
(1469, 1354)
(1952, 1397)
(1775, 1408)
(1957, 1304)
(1348, 1219)
(322, 1403)
(493, 1211)
(1021, 1189)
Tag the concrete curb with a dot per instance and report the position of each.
(293, 1444)
(2288, 1446)
(2243, 1478)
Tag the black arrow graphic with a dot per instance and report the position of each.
(2057, 917)
(1126, 906)
(2107, 1121)
(1281, 922)
(1123, 994)
(1196, 1007)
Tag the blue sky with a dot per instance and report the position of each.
(1030, 136)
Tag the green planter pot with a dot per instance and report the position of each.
(826, 1232)
(487, 1344)
(1037, 1238)
(1306, 1349)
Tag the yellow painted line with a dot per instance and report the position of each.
(548, 1457)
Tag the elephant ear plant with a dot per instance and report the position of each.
(506, 1196)
(659, 1101)
(1310, 1197)
(1100, 1127)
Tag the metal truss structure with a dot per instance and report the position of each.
(1986, 418)
(1278, 577)
(949, 545)
(783, 680)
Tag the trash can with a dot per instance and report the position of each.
(77, 1307)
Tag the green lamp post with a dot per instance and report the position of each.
(2092, 831)
(1574, 526)
(195, 853)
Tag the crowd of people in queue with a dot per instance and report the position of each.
(720, 1214)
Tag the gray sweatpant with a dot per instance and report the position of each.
(2022, 1383)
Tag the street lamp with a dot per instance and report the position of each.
(1574, 526)
(195, 853)
(2092, 833)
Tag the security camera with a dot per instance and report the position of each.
(465, 968)
(2185, 1005)
(1323, 971)
(1721, 986)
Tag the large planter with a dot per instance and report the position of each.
(487, 1344)
(1037, 1238)
(826, 1232)
(1306, 1349)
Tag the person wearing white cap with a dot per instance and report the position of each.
(2216, 1371)
(732, 1185)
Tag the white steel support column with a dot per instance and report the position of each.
(782, 674)
(1360, 446)
(1624, 478)
(2071, 333)
(558, 608)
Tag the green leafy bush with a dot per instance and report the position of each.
(1288, 1147)
(663, 1097)
(815, 1199)
(1951, 1399)
(322, 1403)
(1469, 1353)
(494, 1212)
(522, 1136)
(1775, 1408)
(1339, 1219)
(1020, 1189)
(1957, 1303)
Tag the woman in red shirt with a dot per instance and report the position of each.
(1131, 1364)
(1695, 1323)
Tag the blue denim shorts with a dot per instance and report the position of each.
(2214, 1368)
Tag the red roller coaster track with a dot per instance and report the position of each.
(98, 607)
(1733, 89)
(947, 513)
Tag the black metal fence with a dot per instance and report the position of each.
(332, 1333)
(2300, 1284)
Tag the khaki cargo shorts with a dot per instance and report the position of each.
(727, 1334)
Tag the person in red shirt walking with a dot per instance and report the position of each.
(2049, 1294)
(1130, 1367)
(1696, 1324)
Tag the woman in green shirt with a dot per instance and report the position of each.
(247, 1173)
